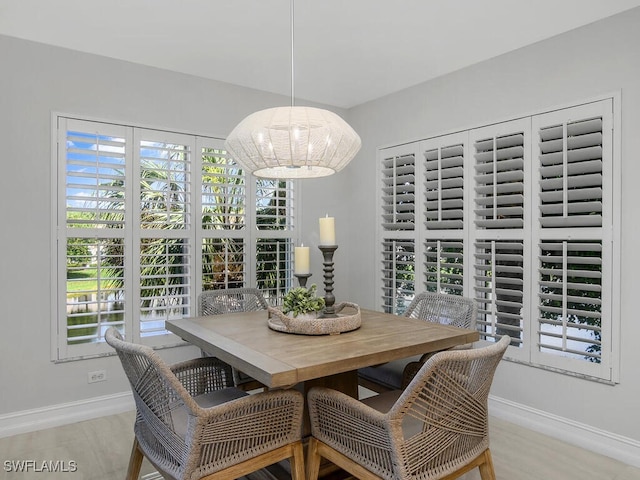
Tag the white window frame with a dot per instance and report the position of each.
(60, 349)
(503, 235)
(402, 232)
(607, 371)
(607, 234)
(428, 234)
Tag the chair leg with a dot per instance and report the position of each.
(482, 461)
(293, 452)
(486, 467)
(135, 461)
(313, 460)
(297, 462)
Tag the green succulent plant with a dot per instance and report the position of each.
(301, 300)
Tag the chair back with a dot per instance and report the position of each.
(190, 424)
(441, 418)
(161, 399)
(217, 302)
(230, 300)
(155, 385)
(444, 308)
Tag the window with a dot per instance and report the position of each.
(398, 274)
(573, 243)
(520, 215)
(145, 220)
(398, 220)
(500, 162)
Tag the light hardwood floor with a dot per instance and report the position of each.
(101, 450)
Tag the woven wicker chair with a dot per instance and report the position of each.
(439, 308)
(443, 308)
(191, 422)
(432, 307)
(218, 302)
(437, 428)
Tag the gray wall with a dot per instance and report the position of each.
(594, 60)
(35, 81)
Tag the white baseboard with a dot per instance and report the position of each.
(624, 449)
(65, 413)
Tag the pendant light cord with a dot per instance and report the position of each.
(291, 14)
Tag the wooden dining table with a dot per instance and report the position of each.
(282, 360)
(286, 360)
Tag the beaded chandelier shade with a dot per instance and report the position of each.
(293, 142)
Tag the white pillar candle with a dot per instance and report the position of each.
(327, 231)
(301, 260)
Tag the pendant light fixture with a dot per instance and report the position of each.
(293, 141)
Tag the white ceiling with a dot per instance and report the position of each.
(347, 52)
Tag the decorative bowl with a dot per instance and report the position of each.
(347, 318)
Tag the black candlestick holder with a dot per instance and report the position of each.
(329, 299)
(302, 278)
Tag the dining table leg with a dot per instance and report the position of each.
(347, 383)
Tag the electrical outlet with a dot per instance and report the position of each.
(97, 376)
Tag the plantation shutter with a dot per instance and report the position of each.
(164, 184)
(570, 299)
(95, 293)
(164, 282)
(444, 187)
(499, 288)
(224, 236)
(398, 209)
(223, 263)
(165, 231)
(540, 251)
(574, 194)
(274, 267)
(571, 174)
(398, 274)
(501, 181)
(398, 191)
(274, 204)
(145, 220)
(445, 159)
(274, 210)
(444, 271)
(224, 195)
(499, 175)
(93, 176)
